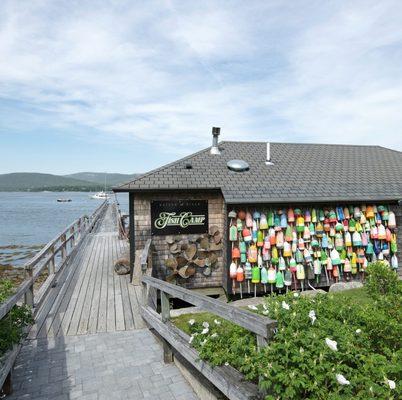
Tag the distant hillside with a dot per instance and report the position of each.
(80, 182)
(99, 177)
(32, 181)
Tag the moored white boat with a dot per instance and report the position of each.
(100, 196)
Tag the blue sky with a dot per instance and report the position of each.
(125, 86)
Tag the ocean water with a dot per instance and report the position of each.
(30, 220)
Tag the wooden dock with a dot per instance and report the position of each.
(92, 297)
(88, 340)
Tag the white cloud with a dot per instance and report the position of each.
(165, 72)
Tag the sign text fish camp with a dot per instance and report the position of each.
(179, 217)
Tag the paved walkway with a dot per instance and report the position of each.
(103, 366)
(90, 344)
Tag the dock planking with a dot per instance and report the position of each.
(91, 297)
(88, 339)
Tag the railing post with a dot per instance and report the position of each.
(261, 342)
(144, 294)
(50, 265)
(79, 228)
(29, 294)
(8, 385)
(63, 246)
(72, 237)
(165, 313)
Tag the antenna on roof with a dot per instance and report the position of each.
(268, 160)
(215, 133)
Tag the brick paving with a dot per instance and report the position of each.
(114, 365)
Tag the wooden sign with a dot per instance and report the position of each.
(179, 217)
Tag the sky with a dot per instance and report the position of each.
(127, 86)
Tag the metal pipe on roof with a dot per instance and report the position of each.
(268, 159)
(215, 133)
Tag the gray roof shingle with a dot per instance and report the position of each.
(301, 173)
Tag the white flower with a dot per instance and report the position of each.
(251, 307)
(205, 331)
(331, 344)
(265, 312)
(342, 380)
(358, 331)
(295, 294)
(391, 384)
(191, 321)
(214, 335)
(264, 306)
(217, 322)
(226, 363)
(312, 316)
(285, 305)
(205, 324)
(203, 342)
(191, 339)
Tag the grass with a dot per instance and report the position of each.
(181, 322)
(358, 296)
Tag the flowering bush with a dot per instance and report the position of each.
(381, 280)
(327, 347)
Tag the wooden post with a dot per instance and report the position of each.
(29, 294)
(63, 246)
(165, 313)
(79, 228)
(131, 233)
(72, 237)
(8, 385)
(261, 342)
(144, 294)
(149, 296)
(50, 265)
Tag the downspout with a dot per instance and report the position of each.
(132, 233)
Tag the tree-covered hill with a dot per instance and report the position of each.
(99, 177)
(32, 181)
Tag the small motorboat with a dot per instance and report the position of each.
(100, 196)
(63, 200)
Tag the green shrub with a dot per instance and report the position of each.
(381, 280)
(298, 363)
(13, 324)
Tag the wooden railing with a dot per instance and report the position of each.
(53, 257)
(228, 380)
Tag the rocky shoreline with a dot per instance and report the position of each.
(12, 259)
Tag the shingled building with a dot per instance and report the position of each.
(183, 206)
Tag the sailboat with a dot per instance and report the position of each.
(102, 195)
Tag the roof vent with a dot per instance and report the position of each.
(215, 133)
(238, 165)
(268, 160)
(188, 166)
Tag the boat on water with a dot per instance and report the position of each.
(63, 200)
(100, 195)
